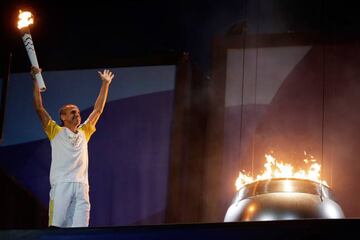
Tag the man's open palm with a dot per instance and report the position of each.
(106, 76)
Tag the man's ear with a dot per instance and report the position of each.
(62, 117)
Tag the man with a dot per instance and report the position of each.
(69, 195)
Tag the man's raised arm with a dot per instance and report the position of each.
(40, 110)
(106, 77)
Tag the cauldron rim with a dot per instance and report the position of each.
(275, 185)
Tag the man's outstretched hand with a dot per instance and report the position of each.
(106, 76)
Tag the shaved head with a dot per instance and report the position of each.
(64, 108)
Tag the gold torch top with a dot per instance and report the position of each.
(25, 19)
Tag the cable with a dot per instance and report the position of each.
(255, 84)
(323, 98)
(243, 77)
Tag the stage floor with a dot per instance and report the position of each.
(292, 229)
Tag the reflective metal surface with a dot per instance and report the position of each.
(283, 199)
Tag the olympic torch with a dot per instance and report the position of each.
(25, 19)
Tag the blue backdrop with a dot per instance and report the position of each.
(128, 154)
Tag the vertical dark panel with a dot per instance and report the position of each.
(187, 144)
(214, 137)
(4, 87)
(178, 141)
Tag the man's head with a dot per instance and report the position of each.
(70, 115)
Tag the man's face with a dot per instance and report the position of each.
(71, 116)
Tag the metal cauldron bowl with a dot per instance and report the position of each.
(283, 199)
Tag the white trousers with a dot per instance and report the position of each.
(69, 205)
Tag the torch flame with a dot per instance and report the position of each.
(277, 169)
(25, 19)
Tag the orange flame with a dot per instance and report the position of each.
(25, 19)
(277, 169)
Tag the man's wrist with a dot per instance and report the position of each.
(105, 82)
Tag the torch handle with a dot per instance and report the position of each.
(40, 82)
(30, 49)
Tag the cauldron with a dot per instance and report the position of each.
(283, 199)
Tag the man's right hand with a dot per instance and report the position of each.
(42, 113)
(35, 70)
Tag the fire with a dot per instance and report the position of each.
(277, 169)
(25, 19)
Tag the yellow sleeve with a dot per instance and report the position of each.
(52, 129)
(88, 129)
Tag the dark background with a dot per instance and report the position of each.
(75, 35)
(71, 34)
